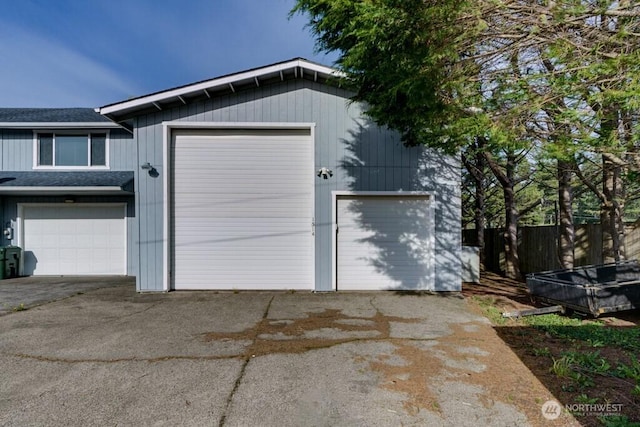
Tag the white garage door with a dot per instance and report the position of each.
(242, 209)
(384, 243)
(74, 239)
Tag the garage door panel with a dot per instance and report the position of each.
(244, 246)
(248, 224)
(241, 214)
(74, 240)
(263, 171)
(384, 243)
(238, 209)
(269, 237)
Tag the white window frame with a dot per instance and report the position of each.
(87, 133)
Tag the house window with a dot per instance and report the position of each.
(72, 149)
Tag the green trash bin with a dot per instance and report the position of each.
(11, 264)
(2, 262)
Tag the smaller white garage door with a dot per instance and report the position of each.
(384, 242)
(74, 239)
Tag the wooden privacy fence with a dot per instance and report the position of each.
(538, 246)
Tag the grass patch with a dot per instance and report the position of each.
(490, 310)
(618, 421)
(592, 332)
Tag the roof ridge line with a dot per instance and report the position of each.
(153, 99)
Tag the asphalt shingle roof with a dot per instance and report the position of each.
(122, 179)
(50, 115)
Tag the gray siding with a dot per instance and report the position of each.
(149, 200)
(16, 150)
(363, 157)
(122, 151)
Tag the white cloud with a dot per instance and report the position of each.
(37, 72)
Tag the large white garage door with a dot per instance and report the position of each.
(242, 209)
(74, 239)
(384, 243)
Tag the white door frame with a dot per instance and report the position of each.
(167, 133)
(335, 195)
(20, 223)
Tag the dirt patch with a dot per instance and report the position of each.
(504, 378)
(468, 355)
(416, 368)
(508, 294)
(300, 335)
(292, 336)
(411, 378)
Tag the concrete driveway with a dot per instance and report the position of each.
(27, 292)
(111, 356)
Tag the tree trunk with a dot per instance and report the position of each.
(566, 231)
(612, 201)
(512, 261)
(479, 217)
(612, 211)
(476, 169)
(507, 181)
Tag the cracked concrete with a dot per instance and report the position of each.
(111, 356)
(240, 377)
(27, 292)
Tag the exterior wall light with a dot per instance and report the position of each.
(324, 173)
(153, 172)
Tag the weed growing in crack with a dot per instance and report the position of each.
(20, 307)
(544, 351)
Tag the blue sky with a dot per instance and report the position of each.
(89, 53)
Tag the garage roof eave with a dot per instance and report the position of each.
(59, 125)
(67, 182)
(153, 101)
(67, 191)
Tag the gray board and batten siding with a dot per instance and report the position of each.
(362, 156)
(17, 145)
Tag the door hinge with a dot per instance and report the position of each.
(313, 226)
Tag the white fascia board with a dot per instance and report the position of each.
(238, 125)
(399, 193)
(59, 125)
(213, 83)
(321, 69)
